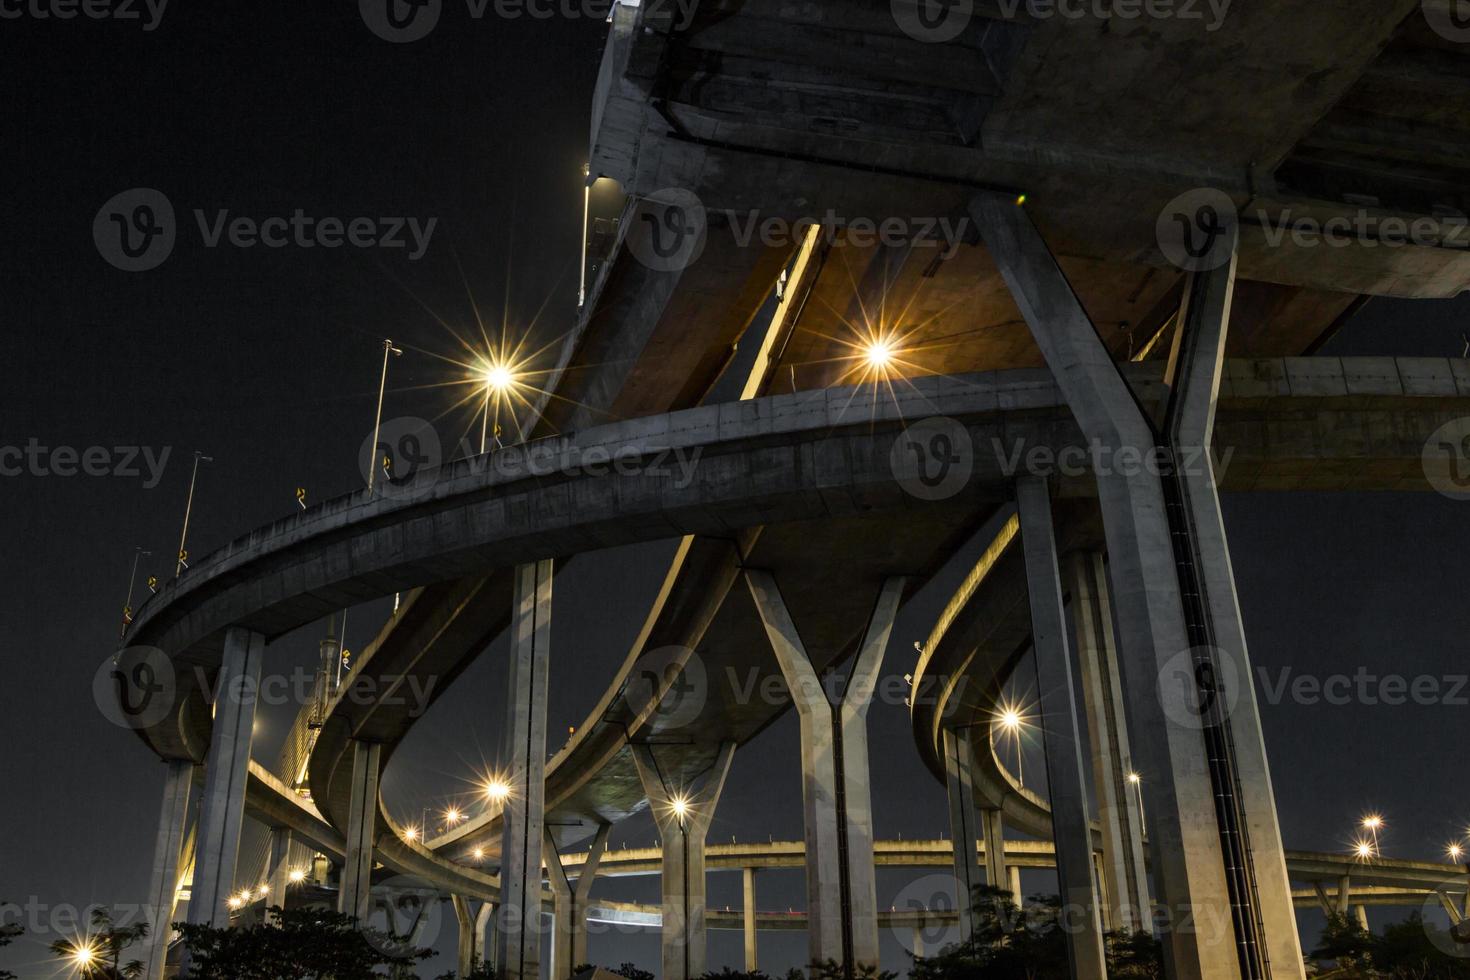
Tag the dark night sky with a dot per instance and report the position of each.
(267, 360)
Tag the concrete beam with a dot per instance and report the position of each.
(355, 893)
(1071, 824)
(520, 925)
(168, 847)
(841, 882)
(683, 815)
(222, 809)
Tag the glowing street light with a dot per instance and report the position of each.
(680, 806)
(297, 876)
(1364, 850)
(411, 834)
(84, 956)
(498, 790)
(1136, 781)
(879, 354)
(1455, 852)
(1373, 823)
(452, 816)
(479, 854)
(1011, 719)
(499, 379)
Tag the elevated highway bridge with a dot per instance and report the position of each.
(813, 376)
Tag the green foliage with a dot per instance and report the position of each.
(1015, 944)
(104, 949)
(832, 970)
(729, 974)
(482, 971)
(296, 944)
(630, 972)
(7, 936)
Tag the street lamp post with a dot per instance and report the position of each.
(388, 348)
(586, 210)
(132, 578)
(188, 509)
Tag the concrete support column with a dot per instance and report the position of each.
(751, 960)
(486, 936)
(1071, 825)
(1014, 877)
(168, 851)
(683, 816)
(222, 808)
(992, 834)
(1360, 916)
(520, 927)
(1199, 925)
(470, 947)
(1125, 879)
(842, 901)
(569, 941)
(1196, 363)
(355, 890)
(278, 874)
(964, 826)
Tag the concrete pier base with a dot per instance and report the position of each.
(520, 921)
(278, 870)
(569, 938)
(748, 894)
(964, 827)
(168, 848)
(1071, 824)
(683, 815)
(222, 808)
(355, 891)
(842, 903)
(1124, 892)
(992, 834)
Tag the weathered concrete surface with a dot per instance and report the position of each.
(725, 107)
